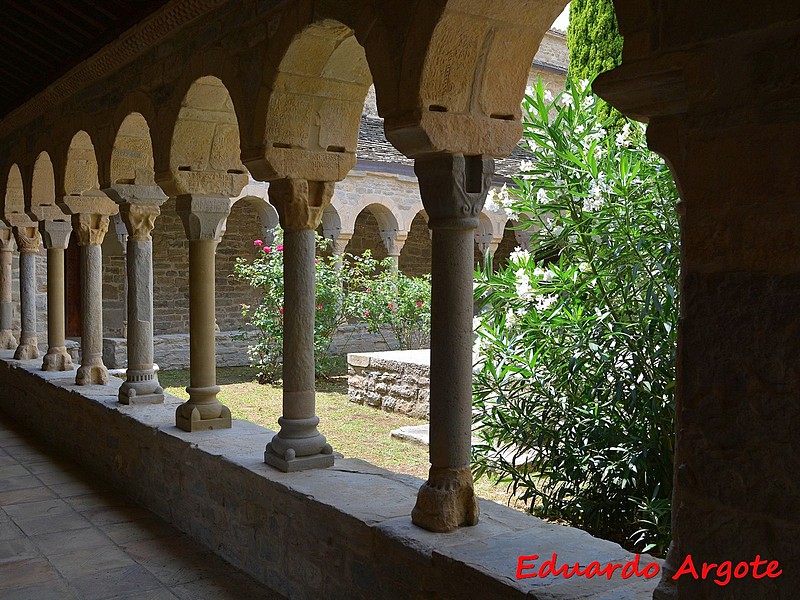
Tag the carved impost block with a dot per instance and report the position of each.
(299, 202)
(128, 193)
(92, 202)
(28, 239)
(203, 217)
(90, 229)
(139, 219)
(55, 234)
(6, 239)
(453, 188)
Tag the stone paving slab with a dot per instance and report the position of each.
(63, 536)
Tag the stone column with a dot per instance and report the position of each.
(453, 190)
(204, 222)
(338, 248)
(7, 339)
(90, 230)
(141, 384)
(299, 445)
(394, 242)
(28, 241)
(56, 239)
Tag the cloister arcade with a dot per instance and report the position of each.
(203, 94)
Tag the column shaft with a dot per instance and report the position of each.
(451, 348)
(7, 340)
(141, 385)
(92, 369)
(28, 344)
(203, 410)
(57, 357)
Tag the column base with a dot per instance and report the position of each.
(57, 359)
(288, 462)
(187, 417)
(7, 340)
(446, 501)
(141, 387)
(92, 375)
(27, 350)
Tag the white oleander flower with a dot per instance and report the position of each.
(548, 96)
(566, 99)
(519, 255)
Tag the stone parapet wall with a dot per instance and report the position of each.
(397, 381)
(338, 533)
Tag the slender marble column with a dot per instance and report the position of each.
(204, 222)
(299, 445)
(28, 242)
(90, 230)
(56, 239)
(141, 385)
(453, 190)
(7, 339)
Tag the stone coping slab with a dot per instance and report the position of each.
(365, 359)
(342, 532)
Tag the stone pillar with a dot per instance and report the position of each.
(394, 242)
(56, 239)
(28, 241)
(204, 222)
(7, 339)
(338, 248)
(453, 190)
(90, 230)
(141, 384)
(298, 445)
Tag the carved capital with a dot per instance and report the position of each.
(28, 239)
(204, 217)
(6, 239)
(90, 229)
(139, 220)
(393, 240)
(453, 188)
(299, 202)
(55, 234)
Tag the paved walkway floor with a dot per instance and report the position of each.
(64, 536)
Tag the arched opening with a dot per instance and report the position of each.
(507, 245)
(375, 229)
(132, 155)
(415, 258)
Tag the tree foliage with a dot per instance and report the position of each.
(594, 44)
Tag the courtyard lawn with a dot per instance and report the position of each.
(354, 430)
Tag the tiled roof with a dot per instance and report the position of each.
(375, 148)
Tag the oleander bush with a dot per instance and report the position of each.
(576, 336)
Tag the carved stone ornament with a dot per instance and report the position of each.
(6, 239)
(299, 202)
(28, 239)
(453, 188)
(139, 220)
(90, 229)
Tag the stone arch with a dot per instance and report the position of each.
(376, 228)
(331, 223)
(267, 214)
(80, 168)
(14, 196)
(43, 187)
(433, 102)
(309, 109)
(204, 151)
(132, 153)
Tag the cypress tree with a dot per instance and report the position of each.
(594, 42)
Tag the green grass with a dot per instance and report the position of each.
(355, 430)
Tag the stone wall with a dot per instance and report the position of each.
(396, 381)
(338, 533)
(415, 258)
(170, 273)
